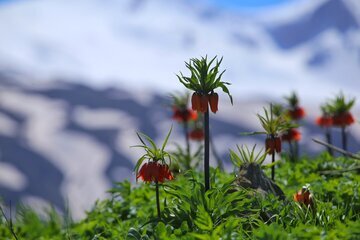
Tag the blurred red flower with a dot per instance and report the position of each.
(291, 135)
(324, 121)
(343, 119)
(184, 115)
(297, 113)
(197, 134)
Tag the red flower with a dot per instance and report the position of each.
(343, 119)
(304, 196)
(297, 113)
(213, 101)
(197, 134)
(199, 102)
(272, 145)
(204, 101)
(324, 121)
(196, 101)
(154, 172)
(184, 115)
(291, 135)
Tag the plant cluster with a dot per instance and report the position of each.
(213, 204)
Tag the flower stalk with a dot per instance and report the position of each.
(157, 199)
(204, 79)
(339, 108)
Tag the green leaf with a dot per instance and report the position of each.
(203, 220)
(166, 139)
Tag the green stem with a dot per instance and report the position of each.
(273, 159)
(187, 140)
(328, 140)
(291, 149)
(157, 199)
(206, 151)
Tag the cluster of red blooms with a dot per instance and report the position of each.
(154, 172)
(296, 113)
(200, 102)
(324, 121)
(273, 145)
(197, 134)
(291, 135)
(338, 120)
(343, 119)
(305, 197)
(184, 115)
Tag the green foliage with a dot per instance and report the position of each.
(224, 212)
(180, 100)
(186, 162)
(246, 156)
(340, 105)
(152, 152)
(204, 78)
(273, 125)
(292, 100)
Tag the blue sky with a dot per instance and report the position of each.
(248, 3)
(234, 4)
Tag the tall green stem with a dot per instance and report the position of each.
(186, 133)
(291, 149)
(273, 159)
(157, 199)
(328, 140)
(206, 151)
(296, 151)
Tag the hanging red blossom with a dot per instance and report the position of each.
(297, 113)
(324, 121)
(196, 101)
(197, 134)
(343, 119)
(184, 115)
(291, 135)
(154, 172)
(213, 102)
(273, 145)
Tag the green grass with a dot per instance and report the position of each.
(225, 212)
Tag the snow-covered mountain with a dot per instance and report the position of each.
(78, 78)
(307, 45)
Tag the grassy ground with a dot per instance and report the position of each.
(188, 213)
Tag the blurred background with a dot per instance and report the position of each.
(79, 78)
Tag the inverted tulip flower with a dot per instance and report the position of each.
(197, 134)
(155, 169)
(273, 126)
(295, 111)
(291, 135)
(203, 81)
(339, 109)
(183, 115)
(325, 121)
(181, 112)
